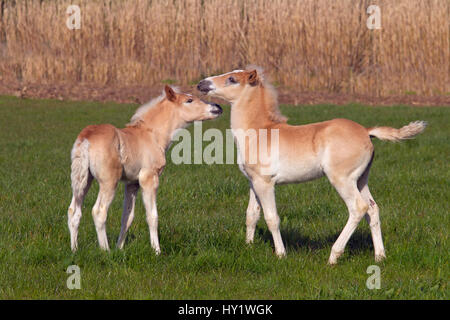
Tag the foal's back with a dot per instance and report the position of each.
(337, 136)
(307, 152)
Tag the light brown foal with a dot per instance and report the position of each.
(340, 149)
(135, 155)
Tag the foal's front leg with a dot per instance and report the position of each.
(266, 194)
(149, 182)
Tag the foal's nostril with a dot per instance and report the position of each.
(204, 86)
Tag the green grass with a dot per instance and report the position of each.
(202, 218)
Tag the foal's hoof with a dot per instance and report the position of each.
(334, 257)
(332, 261)
(380, 257)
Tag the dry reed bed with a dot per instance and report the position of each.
(309, 45)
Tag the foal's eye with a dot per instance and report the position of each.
(231, 80)
(189, 101)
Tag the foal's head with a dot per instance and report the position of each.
(249, 83)
(190, 108)
(231, 85)
(182, 106)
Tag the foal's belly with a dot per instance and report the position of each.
(298, 170)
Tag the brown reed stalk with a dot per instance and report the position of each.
(308, 45)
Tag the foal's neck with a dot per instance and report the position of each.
(252, 109)
(163, 122)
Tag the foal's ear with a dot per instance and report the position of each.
(170, 94)
(253, 77)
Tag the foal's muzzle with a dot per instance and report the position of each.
(204, 86)
(216, 109)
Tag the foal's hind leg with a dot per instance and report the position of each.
(74, 213)
(253, 212)
(373, 219)
(357, 207)
(372, 216)
(100, 212)
(131, 191)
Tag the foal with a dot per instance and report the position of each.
(135, 155)
(340, 149)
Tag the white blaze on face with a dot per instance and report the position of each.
(212, 87)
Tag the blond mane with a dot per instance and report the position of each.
(271, 96)
(142, 110)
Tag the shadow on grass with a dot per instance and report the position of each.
(361, 241)
(130, 238)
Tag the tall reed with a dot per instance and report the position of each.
(307, 45)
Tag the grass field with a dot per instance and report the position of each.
(202, 218)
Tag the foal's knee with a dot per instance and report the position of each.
(361, 205)
(99, 216)
(252, 214)
(152, 218)
(148, 179)
(273, 223)
(70, 212)
(72, 207)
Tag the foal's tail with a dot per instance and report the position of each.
(80, 167)
(391, 134)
